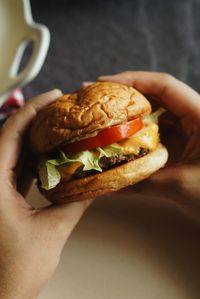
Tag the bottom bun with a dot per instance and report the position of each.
(108, 181)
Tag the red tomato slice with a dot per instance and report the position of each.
(105, 137)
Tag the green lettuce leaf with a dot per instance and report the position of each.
(153, 117)
(110, 150)
(49, 175)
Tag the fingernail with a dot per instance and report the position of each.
(86, 83)
(57, 90)
(103, 77)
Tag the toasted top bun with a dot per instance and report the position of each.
(83, 114)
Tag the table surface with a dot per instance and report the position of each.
(127, 246)
(124, 247)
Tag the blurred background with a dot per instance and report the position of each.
(97, 37)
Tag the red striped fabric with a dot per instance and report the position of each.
(12, 104)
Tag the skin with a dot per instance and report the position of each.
(180, 132)
(31, 241)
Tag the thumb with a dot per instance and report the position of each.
(86, 83)
(185, 177)
(63, 218)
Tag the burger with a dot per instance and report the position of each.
(100, 139)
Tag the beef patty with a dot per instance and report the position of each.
(109, 162)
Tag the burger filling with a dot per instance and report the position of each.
(132, 141)
(109, 162)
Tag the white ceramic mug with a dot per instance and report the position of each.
(17, 29)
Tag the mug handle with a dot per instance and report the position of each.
(40, 36)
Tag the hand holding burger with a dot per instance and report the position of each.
(23, 249)
(179, 181)
(100, 139)
(26, 233)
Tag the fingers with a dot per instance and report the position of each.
(64, 218)
(175, 185)
(172, 183)
(176, 96)
(13, 130)
(86, 83)
(186, 177)
(192, 150)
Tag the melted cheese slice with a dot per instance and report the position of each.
(147, 138)
(67, 171)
